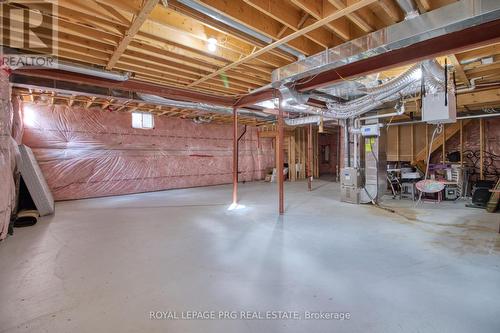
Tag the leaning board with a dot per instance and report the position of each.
(35, 182)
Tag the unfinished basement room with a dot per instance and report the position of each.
(250, 166)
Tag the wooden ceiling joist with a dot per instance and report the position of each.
(167, 44)
(132, 31)
(288, 38)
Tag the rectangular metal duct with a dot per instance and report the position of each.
(375, 167)
(454, 17)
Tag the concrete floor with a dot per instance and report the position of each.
(101, 265)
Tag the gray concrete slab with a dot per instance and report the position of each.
(102, 265)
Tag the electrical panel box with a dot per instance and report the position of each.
(370, 130)
(434, 110)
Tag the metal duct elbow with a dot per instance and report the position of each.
(434, 69)
(409, 7)
(292, 97)
(295, 102)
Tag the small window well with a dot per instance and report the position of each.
(142, 120)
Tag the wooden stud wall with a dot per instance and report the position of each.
(296, 150)
(412, 142)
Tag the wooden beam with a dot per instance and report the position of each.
(253, 18)
(479, 97)
(288, 38)
(459, 71)
(137, 23)
(320, 9)
(424, 5)
(453, 42)
(293, 19)
(391, 10)
(131, 85)
(354, 17)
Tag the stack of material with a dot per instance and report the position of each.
(494, 199)
(35, 182)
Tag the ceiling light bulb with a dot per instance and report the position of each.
(212, 44)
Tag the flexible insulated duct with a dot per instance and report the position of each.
(210, 108)
(295, 102)
(307, 120)
(406, 84)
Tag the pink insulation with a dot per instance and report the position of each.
(7, 154)
(87, 153)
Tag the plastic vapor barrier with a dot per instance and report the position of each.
(7, 154)
(87, 153)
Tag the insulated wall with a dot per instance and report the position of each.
(8, 150)
(90, 153)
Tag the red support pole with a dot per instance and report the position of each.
(235, 155)
(309, 157)
(280, 160)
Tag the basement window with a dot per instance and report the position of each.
(142, 120)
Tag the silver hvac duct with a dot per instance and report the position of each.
(447, 19)
(487, 115)
(236, 25)
(292, 97)
(405, 84)
(409, 7)
(85, 70)
(307, 120)
(295, 102)
(211, 108)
